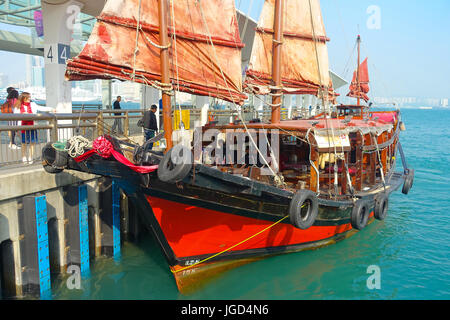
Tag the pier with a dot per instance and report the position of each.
(51, 222)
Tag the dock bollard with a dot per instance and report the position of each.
(110, 217)
(76, 211)
(34, 248)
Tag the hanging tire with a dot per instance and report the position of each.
(360, 214)
(49, 169)
(303, 209)
(381, 207)
(54, 158)
(175, 171)
(409, 181)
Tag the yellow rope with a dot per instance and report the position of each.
(217, 254)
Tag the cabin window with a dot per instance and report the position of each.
(294, 161)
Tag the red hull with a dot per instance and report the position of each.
(193, 231)
(195, 234)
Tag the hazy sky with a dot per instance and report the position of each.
(408, 54)
(408, 46)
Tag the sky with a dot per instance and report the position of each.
(408, 50)
(407, 43)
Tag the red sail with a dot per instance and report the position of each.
(304, 57)
(363, 89)
(205, 57)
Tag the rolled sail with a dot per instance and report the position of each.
(204, 47)
(304, 57)
(361, 90)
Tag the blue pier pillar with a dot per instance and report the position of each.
(110, 217)
(34, 248)
(76, 212)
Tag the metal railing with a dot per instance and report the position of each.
(30, 139)
(91, 122)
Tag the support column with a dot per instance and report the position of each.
(299, 103)
(76, 210)
(10, 248)
(110, 217)
(58, 27)
(94, 219)
(107, 94)
(57, 231)
(202, 102)
(34, 247)
(133, 227)
(288, 104)
(8, 285)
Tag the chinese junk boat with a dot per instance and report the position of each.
(290, 185)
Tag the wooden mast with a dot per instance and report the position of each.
(165, 71)
(276, 62)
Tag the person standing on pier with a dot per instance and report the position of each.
(8, 107)
(117, 121)
(150, 124)
(24, 105)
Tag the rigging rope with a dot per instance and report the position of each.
(136, 47)
(325, 102)
(276, 177)
(232, 247)
(379, 161)
(176, 64)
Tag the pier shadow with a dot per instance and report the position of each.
(4, 228)
(6, 254)
(7, 270)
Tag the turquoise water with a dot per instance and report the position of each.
(411, 247)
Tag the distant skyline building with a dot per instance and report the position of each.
(4, 80)
(35, 71)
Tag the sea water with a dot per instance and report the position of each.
(407, 256)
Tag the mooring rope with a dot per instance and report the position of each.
(76, 146)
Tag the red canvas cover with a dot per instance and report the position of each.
(363, 89)
(300, 63)
(113, 53)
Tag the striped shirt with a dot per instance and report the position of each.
(7, 107)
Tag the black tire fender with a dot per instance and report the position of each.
(303, 209)
(175, 165)
(50, 169)
(360, 214)
(409, 181)
(54, 158)
(381, 206)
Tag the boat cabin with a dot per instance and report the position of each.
(354, 111)
(332, 156)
